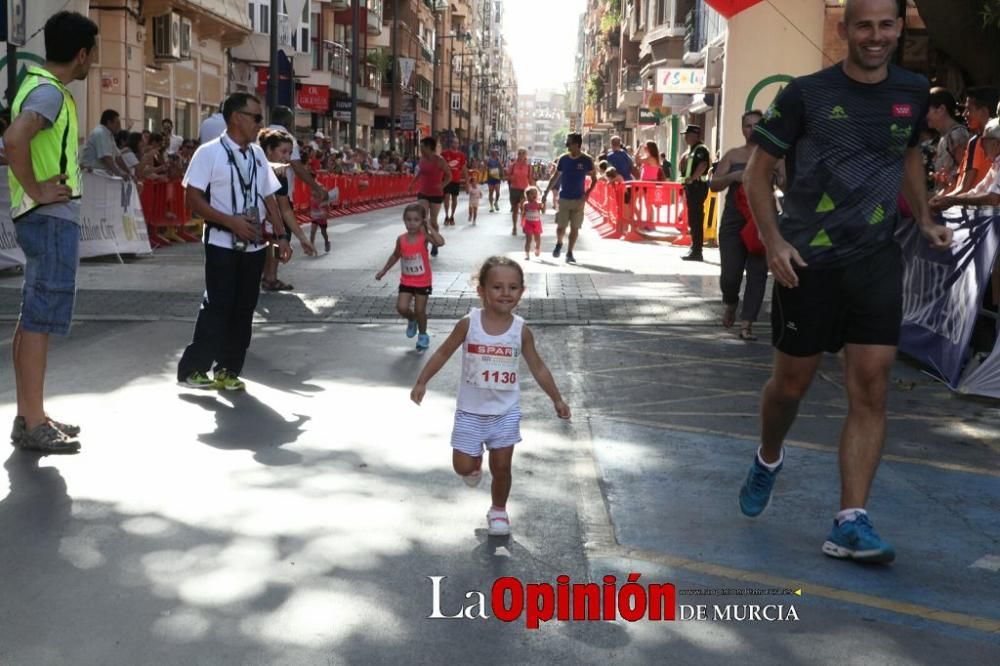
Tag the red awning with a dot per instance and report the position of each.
(730, 8)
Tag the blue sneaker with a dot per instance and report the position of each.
(856, 540)
(556, 250)
(423, 341)
(755, 494)
(434, 250)
(411, 328)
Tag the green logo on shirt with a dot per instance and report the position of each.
(838, 113)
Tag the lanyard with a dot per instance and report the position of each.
(248, 185)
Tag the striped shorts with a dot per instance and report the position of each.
(473, 431)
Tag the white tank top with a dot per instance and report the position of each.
(490, 363)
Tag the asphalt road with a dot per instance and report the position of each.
(306, 521)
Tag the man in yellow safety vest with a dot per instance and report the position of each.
(44, 179)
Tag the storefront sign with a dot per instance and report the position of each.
(342, 109)
(680, 80)
(648, 118)
(314, 98)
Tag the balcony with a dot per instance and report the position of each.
(630, 86)
(702, 26)
(341, 5)
(256, 47)
(370, 85)
(374, 17)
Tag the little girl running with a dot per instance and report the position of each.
(475, 194)
(493, 340)
(415, 277)
(318, 216)
(531, 222)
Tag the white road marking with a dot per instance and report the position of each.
(988, 562)
(343, 228)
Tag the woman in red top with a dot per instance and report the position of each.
(520, 178)
(433, 173)
(415, 278)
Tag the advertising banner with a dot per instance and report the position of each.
(111, 220)
(942, 291)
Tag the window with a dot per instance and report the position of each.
(424, 90)
(264, 24)
(253, 17)
(456, 102)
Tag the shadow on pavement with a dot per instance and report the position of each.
(245, 423)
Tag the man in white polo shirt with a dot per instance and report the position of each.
(230, 185)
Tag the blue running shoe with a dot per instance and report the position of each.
(411, 328)
(434, 250)
(755, 494)
(423, 341)
(556, 250)
(856, 540)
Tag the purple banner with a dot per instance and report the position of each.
(942, 291)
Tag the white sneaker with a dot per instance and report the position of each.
(473, 480)
(498, 523)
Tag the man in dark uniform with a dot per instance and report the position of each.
(694, 167)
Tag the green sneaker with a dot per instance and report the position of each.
(227, 381)
(199, 380)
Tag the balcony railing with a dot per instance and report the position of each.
(631, 77)
(703, 25)
(337, 59)
(372, 77)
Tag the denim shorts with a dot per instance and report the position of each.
(51, 247)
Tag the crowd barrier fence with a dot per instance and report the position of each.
(633, 209)
(169, 220)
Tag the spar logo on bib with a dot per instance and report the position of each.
(491, 350)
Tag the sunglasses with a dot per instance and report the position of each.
(257, 118)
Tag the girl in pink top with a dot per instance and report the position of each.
(531, 222)
(519, 178)
(415, 278)
(433, 173)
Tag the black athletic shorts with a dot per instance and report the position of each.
(516, 196)
(419, 291)
(452, 188)
(861, 303)
(430, 198)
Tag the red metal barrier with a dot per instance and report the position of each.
(358, 192)
(166, 213)
(624, 209)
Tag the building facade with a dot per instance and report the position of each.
(540, 116)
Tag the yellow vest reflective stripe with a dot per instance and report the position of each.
(53, 150)
(689, 165)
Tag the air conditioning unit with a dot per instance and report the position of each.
(167, 36)
(186, 36)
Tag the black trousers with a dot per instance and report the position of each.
(225, 321)
(695, 195)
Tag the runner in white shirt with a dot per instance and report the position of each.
(492, 339)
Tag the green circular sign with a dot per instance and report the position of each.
(763, 83)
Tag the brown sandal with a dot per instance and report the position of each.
(746, 333)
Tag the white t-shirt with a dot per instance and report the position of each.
(173, 144)
(490, 363)
(991, 183)
(212, 128)
(210, 167)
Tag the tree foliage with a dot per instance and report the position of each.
(968, 31)
(559, 140)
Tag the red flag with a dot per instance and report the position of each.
(730, 8)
